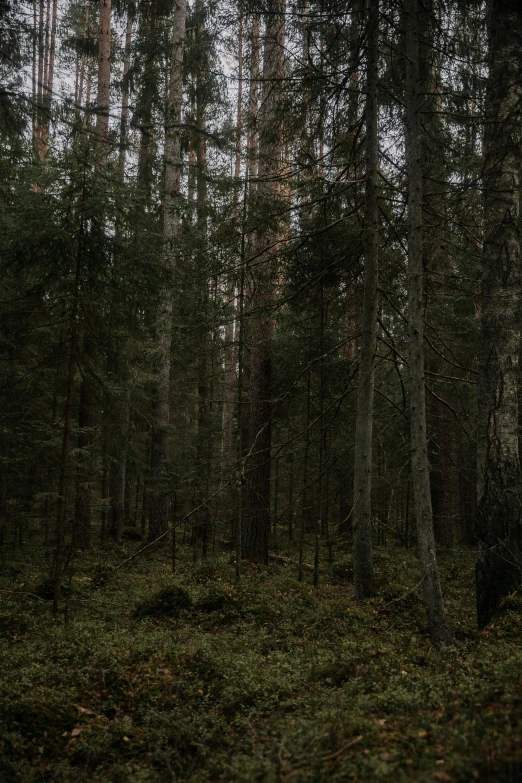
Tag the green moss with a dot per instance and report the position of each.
(168, 602)
(270, 680)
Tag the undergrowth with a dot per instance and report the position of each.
(161, 677)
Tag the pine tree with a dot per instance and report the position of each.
(256, 511)
(363, 565)
(499, 482)
(439, 629)
(158, 507)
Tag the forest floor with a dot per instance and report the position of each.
(271, 680)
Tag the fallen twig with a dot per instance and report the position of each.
(22, 592)
(337, 753)
(288, 561)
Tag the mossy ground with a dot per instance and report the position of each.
(268, 681)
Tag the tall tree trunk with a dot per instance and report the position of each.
(40, 80)
(47, 27)
(438, 625)
(249, 195)
(158, 498)
(362, 513)
(88, 90)
(47, 93)
(146, 36)
(104, 71)
(120, 401)
(499, 482)
(204, 436)
(61, 513)
(253, 105)
(240, 406)
(34, 73)
(256, 513)
(304, 491)
(118, 468)
(438, 264)
(85, 467)
(231, 350)
(81, 79)
(125, 95)
(85, 464)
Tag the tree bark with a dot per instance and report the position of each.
(231, 348)
(40, 80)
(118, 470)
(206, 346)
(125, 96)
(364, 578)
(438, 264)
(253, 105)
(85, 465)
(146, 35)
(256, 512)
(437, 622)
(499, 490)
(104, 71)
(48, 85)
(249, 195)
(61, 513)
(158, 496)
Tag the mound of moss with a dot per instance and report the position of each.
(45, 590)
(213, 601)
(169, 602)
(131, 534)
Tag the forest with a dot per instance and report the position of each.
(260, 391)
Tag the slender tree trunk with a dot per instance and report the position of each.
(362, 515)
(120, 402)
(276, 498)
(34, 73)
(467, 491)
(322, 430)
(84, 468)
(304, 492)
(158, 500)
(88, 90)
(61, 516)
(104, 495)
(81, 80)
(440, 448)
(253, 106)
(437, 262)
(125, 96)
(256, 513)
(240, 406)
(47, 93)
(249, 195)
(499, 488)
(230, 364)
(47, 27)
(104, 71)
(204, 436)
(119, 466)
(438, 625)
(40, 79)
(146, 36)
(291, 498)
